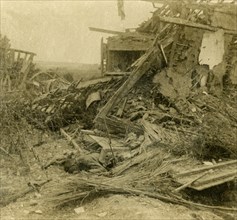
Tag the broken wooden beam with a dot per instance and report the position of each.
(203, 5)
(105, 30)
(183, 22)
(117, 73)
(191, 181)
(121, 109)
(22, 51)
(218, 174)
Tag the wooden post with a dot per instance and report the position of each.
(26, 68)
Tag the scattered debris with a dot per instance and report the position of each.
(175, 96)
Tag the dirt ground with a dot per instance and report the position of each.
(36, 205)
(113, 207)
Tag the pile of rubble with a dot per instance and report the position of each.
(167, 125)
(185, 82)
(176, 110)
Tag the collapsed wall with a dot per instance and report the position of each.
(193, 45)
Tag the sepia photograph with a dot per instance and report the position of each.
(118, 109)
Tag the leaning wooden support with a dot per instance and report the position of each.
(22, 51)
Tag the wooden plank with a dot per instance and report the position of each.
(130, 41)
(205, 168)
(131, 47)
(22, 51)
(132, 44)
(197, 5)
(121, 109)
(92, 82)
(183, 22)
(105, 30)
(190, 182)
(214, 180)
